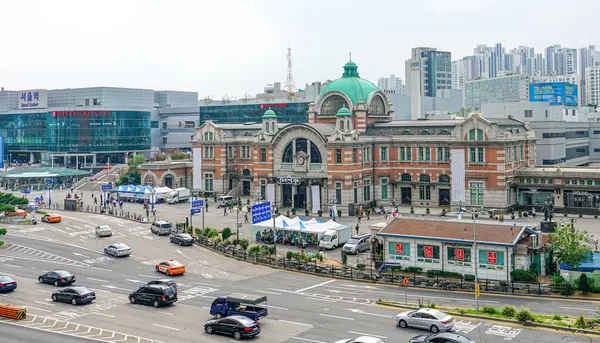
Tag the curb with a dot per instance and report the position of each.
(505, 320)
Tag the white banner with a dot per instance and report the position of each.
(197, 181)
(315, 191)
(458, 175)
(271, 193)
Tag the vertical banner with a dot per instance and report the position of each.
(458, 175)
(1, 151)
(271, 193)
(197, 181)
(315, 191)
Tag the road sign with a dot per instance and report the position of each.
(106, 188)
(196, 210)
(405, 281)
(26, 191)
(38, 199)
(198, 203)
(261, 212)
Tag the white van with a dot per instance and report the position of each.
(161, 228)
(103, 231)
(224, 201)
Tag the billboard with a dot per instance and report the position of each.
(1, 151)
(554, 93)
(197, 168)
(33, 99)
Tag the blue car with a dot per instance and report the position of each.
(7, 284)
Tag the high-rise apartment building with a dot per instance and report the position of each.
(391, 84)
(592, 85)
(560, 60)
(511, 88)
(588, 57)
(435, 70)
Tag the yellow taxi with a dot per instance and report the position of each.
(170, 267)
(51, 218)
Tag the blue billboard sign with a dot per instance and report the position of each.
(1, 151)
(106, 188)
(261, 212)
(554, 93)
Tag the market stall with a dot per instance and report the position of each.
(292, 231)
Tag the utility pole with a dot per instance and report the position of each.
(476, 257)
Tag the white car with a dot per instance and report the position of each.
(362, 339)
(103, 231)
(426, 318)
(118, 249)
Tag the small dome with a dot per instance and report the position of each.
(350, 84)
(269, 114)
(344, 112)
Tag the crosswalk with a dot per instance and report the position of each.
(25, 252)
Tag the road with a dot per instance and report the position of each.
(302, 308)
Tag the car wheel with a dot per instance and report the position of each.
(434, 329)
(209, 330)
(56, 283)
(156, 268)
(333, 247)
(180, 243)
(115, 254)
(106, 251)
(41, 280)
(132, 300)
(155, 304)
(237, 335)
(168, 273)
(403, 324)
(54, 298)
(73, 301)
(218, 315)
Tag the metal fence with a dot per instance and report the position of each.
(391, 277)
(109, 210)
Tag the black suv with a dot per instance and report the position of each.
(155, 295)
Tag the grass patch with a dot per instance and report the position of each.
(41, 212)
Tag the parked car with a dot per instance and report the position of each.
(103, 231)
(51, 218)
(358, 243)
(57, 278)
(118, 249)
(161, 228)
(155, 295)
(225, 201)
(7, 284)
(74, 295)
(182, 239)
(170, 267)
(426, 318)
(362, 339)
(166, 282)
(446, 337)
(237, 326)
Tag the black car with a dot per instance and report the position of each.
(442, 337)
(182, 239)
(155, 295)
(57, 278)
(166, 282)
(74, 295)
(237, 326)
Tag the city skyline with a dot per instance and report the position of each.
(218, 49)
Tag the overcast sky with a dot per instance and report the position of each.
(227, 47)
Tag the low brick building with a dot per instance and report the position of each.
(169, 173)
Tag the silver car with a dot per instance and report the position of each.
(426, 318)
(118, 249)
(361, 339)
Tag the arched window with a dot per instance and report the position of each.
(342, 125)
(266, 127)
(406, 132)
(475, 135)
(424, 178)
(288, 153)
(332, 104)
(376, 106)
(426, 132)
(315, 154)
(208, 136)
(445, 132)
(405, 177)
(272, 126)
(348, 124)
(301, 145)
(444, 178)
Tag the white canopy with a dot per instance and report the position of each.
(296, 224)
(162, 190)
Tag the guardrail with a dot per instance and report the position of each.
(109, 211)
(391, 277)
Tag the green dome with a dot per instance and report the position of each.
(351, 85)
(269, 114)
(344, 112)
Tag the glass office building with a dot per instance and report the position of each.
(240, 112)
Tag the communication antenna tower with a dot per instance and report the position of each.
(290, 85)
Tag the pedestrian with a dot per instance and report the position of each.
(368, 214)
(154, 212)
(225, 211)
(356, 228)
(71, 189)
(147, 213)
(95, 201)
(206, 204)
(92, 194)
(246, 218)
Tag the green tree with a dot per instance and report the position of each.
(3, 232)
(226, 233)
(6, 208)
(135, 160)
(584, 284)
(133, 175)
(571, 246)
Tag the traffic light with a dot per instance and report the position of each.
(477, 290)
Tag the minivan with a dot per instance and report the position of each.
(358, 243)
(224, 201)
(155, 295)
(161, 228)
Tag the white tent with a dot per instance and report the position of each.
(162, 191)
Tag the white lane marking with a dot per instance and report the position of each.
(36, 308)
(270, 292)
(102, 314)
(82, 255)
(115, 287)
(369, 314)
(101, 290)
(366, 334)
(314, 286)
(167, 327)
(332, 316)
(278, 308)
(290, 322)
(321, 299)
(12, 265)
(152, 277)
(40, 290)
(93, 279)
(102, 269)
(43, 303)
(307, 340)
(3, 273)
(357, 286)
(135, 281)
(578, 309)
(337, 291)
(68, 228)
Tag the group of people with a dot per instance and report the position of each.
(287, 237)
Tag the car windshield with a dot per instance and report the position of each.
(5, 279)
(81, 290)
(121, 246)
(186, 236)
(175, 264)
(353, 241)
(440, 315)
(63, 273)
(326, 238)
(104, 227)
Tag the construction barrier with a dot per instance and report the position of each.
(13, 312)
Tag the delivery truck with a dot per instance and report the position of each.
(336, 237)
(179, 195)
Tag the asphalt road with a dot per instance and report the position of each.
(302, 308)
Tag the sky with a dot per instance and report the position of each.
(231, 48)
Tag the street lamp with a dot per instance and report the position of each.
(475, 214)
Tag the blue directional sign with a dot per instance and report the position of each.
(196, 210)
(38, 199)
(26, 191)
(198, 203)
(261, 212)
(106, 187)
